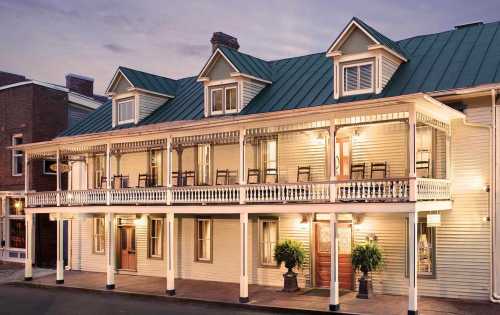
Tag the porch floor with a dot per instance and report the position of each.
(269, 296)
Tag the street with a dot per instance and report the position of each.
(26, 301)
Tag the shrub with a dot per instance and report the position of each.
(291, 253)
(367, 257)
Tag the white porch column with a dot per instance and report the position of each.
(60, 255)
(169, 229)
(333, 189)
(413, 258)
(412, 153)
(58, 177)
(28, 261)
(244, 258)
(108, 174)
(169, 170)
(110, 251)
(242, 180)
(334, 265)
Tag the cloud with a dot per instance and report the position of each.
(117, 48)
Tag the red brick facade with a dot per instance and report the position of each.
(38, 113)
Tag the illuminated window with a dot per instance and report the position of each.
(155, 166)
(204, 164)
(224, 100)
(99, 170)
(98, 235)
(203, 239)
(426, 238)
(155, 237)
(268, 238)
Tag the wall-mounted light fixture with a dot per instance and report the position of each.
(371, 237)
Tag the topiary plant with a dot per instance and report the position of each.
(292, 254)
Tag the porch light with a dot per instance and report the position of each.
(434, 220)
(18, 205)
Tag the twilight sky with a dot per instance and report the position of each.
(45, 40)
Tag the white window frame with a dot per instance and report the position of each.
(158, 238)
(261, 241)
(97, 171)
(202, 238)
(358, 91)
(120, 102)
(44, 167)
(212, 92)
(16, 154)
(98, 237)
(230, 111)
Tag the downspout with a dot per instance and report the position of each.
(494, 297)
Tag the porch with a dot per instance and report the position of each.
(267, 295)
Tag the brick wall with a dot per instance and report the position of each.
(37, 112)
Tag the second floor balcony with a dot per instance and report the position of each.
(335, 161)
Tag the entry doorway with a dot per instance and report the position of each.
(343, 158)
(323, 255)
(127, 250)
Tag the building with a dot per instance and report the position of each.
(33, 111)
(373, 140)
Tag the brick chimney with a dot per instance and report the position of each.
(80, 84)
(222, 39)
(7, 78)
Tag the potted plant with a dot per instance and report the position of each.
(366, 258)
(292, 254)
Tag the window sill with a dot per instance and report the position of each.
(262, 266)
(203, 261)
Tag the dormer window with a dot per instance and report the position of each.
(224, 99)
(358, 78)
(126, 111)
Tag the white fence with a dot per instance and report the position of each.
(433, 189)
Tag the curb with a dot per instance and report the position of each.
(181, 300)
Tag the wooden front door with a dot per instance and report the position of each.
(323, 255)
(346, 273)
(128, 259)
(343, 158)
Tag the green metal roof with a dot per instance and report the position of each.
(247, 64)
(460, 58)
(150, 82)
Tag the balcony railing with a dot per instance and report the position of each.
(373, 190)
(295, 192)
(369, 190)
(433, 189)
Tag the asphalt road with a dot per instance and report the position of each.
(27, 300)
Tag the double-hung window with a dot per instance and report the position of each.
(358, 78)
(99, 171)
(155, 167)
(49, 167)
(125, 111)
(203, 239)
(17, 156)
(98, 235)
(224, 100)
(268, 238)
(155, 237)
(204, 164)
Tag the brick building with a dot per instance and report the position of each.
(33, 111)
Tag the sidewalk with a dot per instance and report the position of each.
(10, 272)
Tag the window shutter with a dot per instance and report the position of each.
(365, 76)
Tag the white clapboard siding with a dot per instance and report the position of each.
(380, 143)
(148, 104)
(249, 91)
(289, 228)
(85, 259)
(462, 241)
(306, 148)
(131, 165)
(145, 265)
(388, 69)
